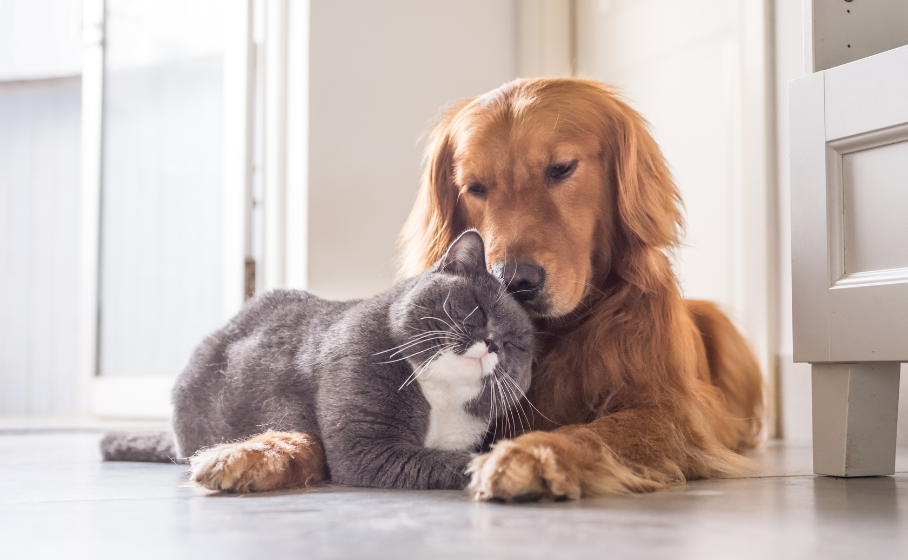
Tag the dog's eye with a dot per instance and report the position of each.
(561, 171)
(477, 189)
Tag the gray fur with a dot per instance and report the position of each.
(151, 447)
(293, 362)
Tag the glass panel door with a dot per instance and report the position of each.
(162, 186)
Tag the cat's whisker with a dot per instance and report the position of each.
(425, 366)
(412, 342)
(406, 357)
(412, 377)
(492, 416)
(495, 402)
(485, 383)
(418, 342)
(444, 307)
(513, 396)
(506, 408)
(518, 401)
(418, 329)
(529, 402)
(415, 375)
(450, 326)
(505, 290)
(515, 411)
(511, 412)
(414, 338)
(445, 348)
(464, 322)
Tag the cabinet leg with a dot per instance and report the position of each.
(855, 414)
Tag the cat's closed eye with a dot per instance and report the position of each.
(511, 346)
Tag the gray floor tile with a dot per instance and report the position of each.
(58, 500)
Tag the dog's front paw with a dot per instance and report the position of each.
(522, 470)
(265, 462)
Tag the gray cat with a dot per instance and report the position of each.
(400, 388)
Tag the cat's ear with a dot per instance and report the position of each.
(467, 255)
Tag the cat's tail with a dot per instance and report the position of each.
(145, 447)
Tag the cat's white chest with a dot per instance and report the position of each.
(449, 383)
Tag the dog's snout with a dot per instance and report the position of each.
(524, 280)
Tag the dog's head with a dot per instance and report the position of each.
(562, 180)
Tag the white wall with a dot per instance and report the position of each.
(695, 71)
(380, 73)
(789, 65)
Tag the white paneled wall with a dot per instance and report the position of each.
(40, 39)
(39, 199)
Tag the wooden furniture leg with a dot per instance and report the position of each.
(855, 413)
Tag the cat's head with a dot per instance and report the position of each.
(457, 325)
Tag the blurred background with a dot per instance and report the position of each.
(162, 160)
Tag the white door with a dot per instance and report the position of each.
(849, 184)
(165, 183)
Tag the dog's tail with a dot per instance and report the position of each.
(145, 447)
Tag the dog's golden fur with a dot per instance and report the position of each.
(268, 461)
(639, 387)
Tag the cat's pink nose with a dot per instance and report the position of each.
(477, 351)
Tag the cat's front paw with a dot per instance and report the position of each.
(265, 462)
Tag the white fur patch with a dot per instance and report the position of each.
(449, 383)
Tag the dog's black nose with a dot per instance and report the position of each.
(524, 281)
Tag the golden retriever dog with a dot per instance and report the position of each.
(636, 388)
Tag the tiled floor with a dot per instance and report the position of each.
(58, 500)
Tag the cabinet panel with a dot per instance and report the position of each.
(810, 282)
(875, 184)
(866, 95)
(849, 183)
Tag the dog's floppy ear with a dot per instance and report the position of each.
(433, 222)
(467, 255)
(649, 205)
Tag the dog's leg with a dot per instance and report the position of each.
(634, 450)
(268, 461)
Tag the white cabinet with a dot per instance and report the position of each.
(849, 184)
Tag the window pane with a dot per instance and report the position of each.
(161, 191)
